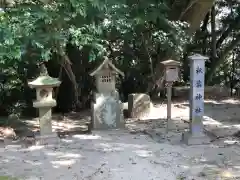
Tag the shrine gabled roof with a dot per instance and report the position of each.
(106, 62)
(170, 62)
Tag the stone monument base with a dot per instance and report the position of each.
(47, 139)
(107, 112)
(190, 139)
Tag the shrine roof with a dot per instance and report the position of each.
(103, 64)
(44, 81)
(198, 57)
(170, 62)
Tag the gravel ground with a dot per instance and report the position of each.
(115, 155)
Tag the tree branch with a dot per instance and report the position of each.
(222, 57)
(190, 5)
(205, 22)
(228, 31)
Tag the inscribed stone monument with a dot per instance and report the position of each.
(44, 85)
(197, 72)
(106, 108)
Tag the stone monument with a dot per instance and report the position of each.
(44, 85)
(139, 105)
(196, 133)
(106, 108)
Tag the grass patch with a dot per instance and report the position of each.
(7, 178)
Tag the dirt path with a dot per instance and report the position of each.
(119, 155)
(115, 155)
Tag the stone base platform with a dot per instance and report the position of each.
(190, 139)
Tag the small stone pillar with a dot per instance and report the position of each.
(106, 108)
(44, 85)
(196, 133)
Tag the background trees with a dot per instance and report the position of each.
(71, 36)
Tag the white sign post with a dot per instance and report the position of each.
(197, 73)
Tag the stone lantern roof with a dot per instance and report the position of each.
(198, 57)
(106, 64)
(44, 80)
(170, 62)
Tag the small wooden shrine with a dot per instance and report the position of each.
(105, 76)
(106, 108)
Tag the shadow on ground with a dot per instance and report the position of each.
(221, 117)
(115, 155)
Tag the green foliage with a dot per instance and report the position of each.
(7, 178)
(32, 32)
(45, 28)
(136, 34)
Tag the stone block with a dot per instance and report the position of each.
(139, 105)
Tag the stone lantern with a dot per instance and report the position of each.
(106, 108)
(171, 74)
(171, 70)
(44, 85)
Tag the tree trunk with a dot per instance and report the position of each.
(67, 66)
(227, 32)
(204, 31)
(195, 13)
(222, 57)
(213, 34)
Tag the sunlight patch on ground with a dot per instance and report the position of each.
(67, 140)
(63, 154)
(130, 145)
(83, 136)
(231, 142)
(34, 148)
(210, 121)
(144, 153)
(57, 164)
(225, 101)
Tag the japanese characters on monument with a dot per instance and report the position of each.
(197, 93)
(196, 134)
(198, 87)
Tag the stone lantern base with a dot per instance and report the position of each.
(46, 136)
